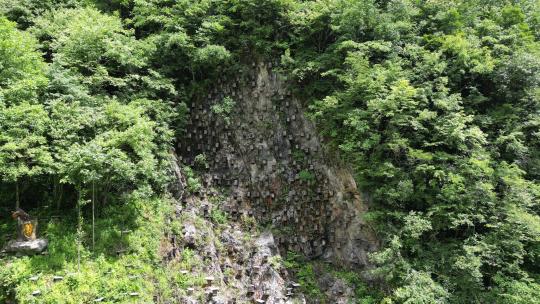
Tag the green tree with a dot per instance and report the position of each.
(22, 71)
(24, 151)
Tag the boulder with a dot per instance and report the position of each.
(26, 247)
(190, 234)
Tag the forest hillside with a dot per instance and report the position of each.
(270, 151)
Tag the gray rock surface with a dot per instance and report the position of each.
(271, 158)
(233, 258)
(268, 159)
(26, 247)
(190, 234)
(336, 289)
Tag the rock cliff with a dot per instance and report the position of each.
(251, 140)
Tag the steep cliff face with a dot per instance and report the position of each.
(263, 161)
(268, 154)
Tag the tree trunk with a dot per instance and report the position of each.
(60, 196)
(93, 214)
(17, 202)
(79, 233)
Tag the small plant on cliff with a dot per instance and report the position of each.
(364, 293)
(306, 176)
(299, 155)
(201, 161)
(193, 182)
(276, 262)
(218, 216)
(224, 108)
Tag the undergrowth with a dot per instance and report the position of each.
(308, 273)
(124, 266)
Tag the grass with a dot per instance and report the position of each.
(305, 275)
(306, 176)
(134, 276)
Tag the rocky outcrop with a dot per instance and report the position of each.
(238, 263)
(270, 157)
(339, 291)
(263, 165)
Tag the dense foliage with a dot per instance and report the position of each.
(435, 104)
(83, 119)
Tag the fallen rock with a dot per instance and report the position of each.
(336, 289)
(190, 234)
(26, 247)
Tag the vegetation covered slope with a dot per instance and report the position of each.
(435, 104)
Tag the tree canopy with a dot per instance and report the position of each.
(434, 104)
